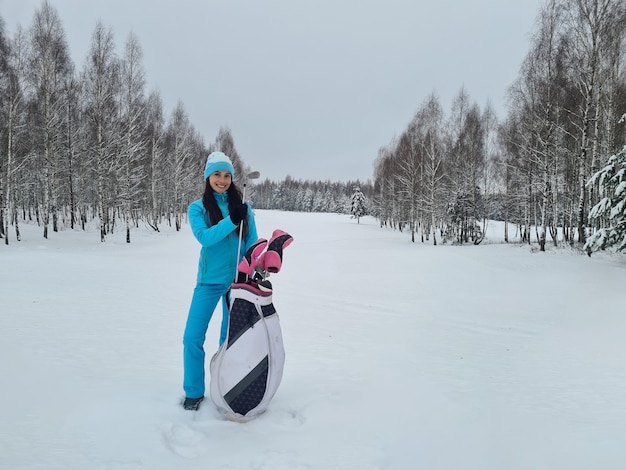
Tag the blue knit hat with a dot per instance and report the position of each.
(217, 161)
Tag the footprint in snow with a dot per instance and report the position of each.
(184, 441)
(289, 418)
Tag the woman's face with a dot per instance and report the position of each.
(220, 181)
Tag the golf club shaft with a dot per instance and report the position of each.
(252, 175)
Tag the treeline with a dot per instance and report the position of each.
(447, 173)
(88, 144)
(93, 146)
(310, 196)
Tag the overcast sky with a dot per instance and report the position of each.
(309, 88)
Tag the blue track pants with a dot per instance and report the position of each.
(203, 304)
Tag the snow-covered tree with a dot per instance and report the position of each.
(180, 153)
(133, 142)
(610, 183)
(101, 86)
(156, 156)
(358, 204)
(13, 70)
(50, 66)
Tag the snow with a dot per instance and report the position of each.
(398, 355)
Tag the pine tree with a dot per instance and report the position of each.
(610, 183)
(357, 207)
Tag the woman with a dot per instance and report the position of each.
(215, 221)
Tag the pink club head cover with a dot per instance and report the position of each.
(272, 260)
(249, 261)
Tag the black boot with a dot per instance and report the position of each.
(192, 403)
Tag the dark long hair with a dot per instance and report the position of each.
(215, 214)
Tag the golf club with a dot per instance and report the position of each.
(252, 176)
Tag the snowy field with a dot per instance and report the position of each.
(398, 356)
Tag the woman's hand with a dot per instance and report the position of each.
(238, 213)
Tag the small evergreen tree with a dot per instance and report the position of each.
(610, 182)
(357, 205)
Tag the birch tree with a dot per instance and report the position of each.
(430, 128)
(614, 55)
(155, 153)
(506, 141)
(465, 166)
(384, 194)
(50, 64)
(589, 20)
(4, 113)
(14, 65)
(101, 82)
(133, 144)
(179, 136)
(73, 148)
(409, 178)
(538, 97)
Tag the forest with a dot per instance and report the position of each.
(555, 164)
(91, 145)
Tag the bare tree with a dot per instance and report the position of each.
(429, 132)
(4, 114)
(409, 178)
(385, 198)
(506, 142)
(465, 165)
(101, 79)
(589, 21)
(72, 147)
(14, 65)
(180, 135)
(538, 97)
(50, 64)
(155, 154)
(133, 144)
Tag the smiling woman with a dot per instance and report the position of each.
(220, 181)
(218, 221)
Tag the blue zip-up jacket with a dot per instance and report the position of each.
(218, 264)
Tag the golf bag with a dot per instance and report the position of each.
(248, 367)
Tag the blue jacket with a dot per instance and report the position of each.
(218, 264)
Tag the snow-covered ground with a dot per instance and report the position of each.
(398, 355)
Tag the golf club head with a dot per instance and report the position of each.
(253, 175)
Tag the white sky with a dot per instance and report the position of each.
(310, 89)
